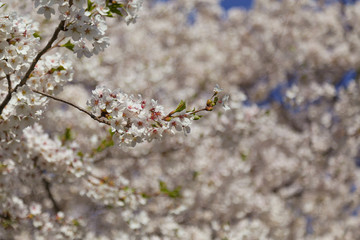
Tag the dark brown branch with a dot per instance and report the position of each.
(101, 120)
(47, 186)
(48, 190)
(42, 52)
(59, 28)
(5, 216)
(8, 96)
(9, 82)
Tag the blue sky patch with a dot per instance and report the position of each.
(247, 4)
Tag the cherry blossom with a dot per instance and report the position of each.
(133, 141)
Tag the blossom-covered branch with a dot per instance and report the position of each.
(32, 66)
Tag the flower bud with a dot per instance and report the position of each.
(209, 108)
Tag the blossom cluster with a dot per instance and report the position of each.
(134, 120)
(58, 226)
(17, 44)
(84, 27)
(85, 21)
(112, 192)
(18, 47)
(52, 155)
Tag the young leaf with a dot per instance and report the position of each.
(58, 69)
(171, 193)
(69, 45)
(36, 35)
(75, 222)
(111, 132)
(106, 143)
(163, 187)
(114, 8)
(195, 175)
(90, 6)
(181, 106)
(67, 136)
(243, 156)
(144, 195)
(175, 193)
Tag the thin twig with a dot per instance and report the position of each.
(186, 114)
(57, 43)
(7, 99)
(101, 120)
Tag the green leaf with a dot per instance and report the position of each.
(69, 45)
(111, 132)
(243, 156)
(58, 69)
(75, 222)
(163, 187)
(90, 6)
(197, 117)
(6, 223)
(175, 193)
(106, 143)
(36, 35)
(67, 136)
(195, 175)
(144, 195)
(181, 106)
(109, 14)
(114, 8)
(171, 193)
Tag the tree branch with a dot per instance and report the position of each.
(8, 96)
(59, 28)
(47, 188)
(42, 52)
(9, 82)
(101, 120)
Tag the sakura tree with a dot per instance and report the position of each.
(87, 153)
